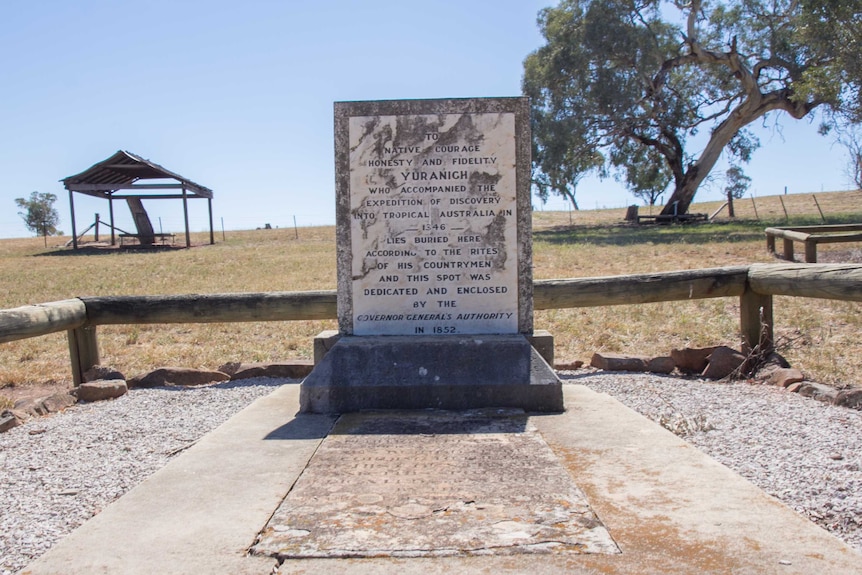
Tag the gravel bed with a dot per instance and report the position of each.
(804, 452)
(58, 471)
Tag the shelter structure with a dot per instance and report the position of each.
(126, 176)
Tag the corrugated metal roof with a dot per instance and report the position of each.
(122, 170)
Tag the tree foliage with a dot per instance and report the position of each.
(736, 184)
(39, 214)
(622, 80)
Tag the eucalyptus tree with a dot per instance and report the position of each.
(622, 80)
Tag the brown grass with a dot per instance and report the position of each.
(820, 337)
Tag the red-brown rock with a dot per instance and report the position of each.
(295, 369)
(784, 377)
(691, 360)
(98, 372)
(851, 398)
(616, 362)
(568, 365)
(818, 391)
(177, 376)
(102, 389)
(723, 361)
(662, 364)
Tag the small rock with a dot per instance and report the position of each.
(818, 391)
(784, 377)
(177, 376)
(296, 369)
(98, 372)
(568, 365)
(723, 361)
(691, 360)
(230, 367)
(795, 387)
(851, 398)
(663, 364)
(8, 421)
(836, 457)
(100, 390)
(58, 402)
(615, 362)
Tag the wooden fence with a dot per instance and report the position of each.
(755, 285)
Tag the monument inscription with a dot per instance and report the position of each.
(429, 195)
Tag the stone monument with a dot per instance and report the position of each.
(434, 260)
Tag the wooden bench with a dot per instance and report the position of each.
(811, 236)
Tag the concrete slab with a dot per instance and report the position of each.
(669, 507)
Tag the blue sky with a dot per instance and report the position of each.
(238, 96)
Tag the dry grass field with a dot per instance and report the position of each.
(818, 336)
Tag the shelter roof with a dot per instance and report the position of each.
(123, 171)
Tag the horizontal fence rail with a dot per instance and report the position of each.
(640, 288)
(211, 308)
(755, 285)
(42, 319)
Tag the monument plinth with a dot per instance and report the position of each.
(434, 247)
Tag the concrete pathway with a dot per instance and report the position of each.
(669, 508)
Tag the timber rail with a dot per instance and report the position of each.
(754, 285)
(810, 236)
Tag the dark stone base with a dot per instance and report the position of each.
(437, 372)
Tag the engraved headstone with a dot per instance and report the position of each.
(435, 252)
(429, 197)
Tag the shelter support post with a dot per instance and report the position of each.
(113, 224)
(186, 216)
(83, 351)
(72, 210)
(210, 206)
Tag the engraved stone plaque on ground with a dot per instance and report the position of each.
(433, 483)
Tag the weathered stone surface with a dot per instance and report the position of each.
(543, 342)
(723, 361)
(323, 342)
(663, 364)
(851, 398)
(617, 362)
(691, 360)
(36, 406)
(296, 369)
(795, 387)
(103, 389)
(58, 402)
(418, 484)
(177, 376)
(818, 391)
(784, 377)
(98, 372)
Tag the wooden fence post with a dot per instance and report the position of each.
(83, 351)
(755, 321)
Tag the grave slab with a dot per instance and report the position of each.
(433, 483)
